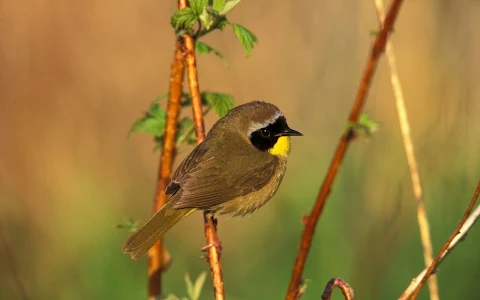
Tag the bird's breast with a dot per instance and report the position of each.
(250, 202)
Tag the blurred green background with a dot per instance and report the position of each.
(74, 75)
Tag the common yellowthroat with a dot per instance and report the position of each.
(235, 170)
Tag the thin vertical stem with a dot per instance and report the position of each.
(156, 255)
(311, 221)
(423, 223)
(210, 228)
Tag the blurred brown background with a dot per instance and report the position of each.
(74, 75)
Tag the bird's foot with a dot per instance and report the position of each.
(215, 243)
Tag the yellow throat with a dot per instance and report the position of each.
(281, 147)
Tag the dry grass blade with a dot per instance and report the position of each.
(312, 220)
(465, 224)
(347, 291)
(423, 223)
(156, 255)
(465, 228)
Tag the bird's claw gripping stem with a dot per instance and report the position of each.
(216, 243)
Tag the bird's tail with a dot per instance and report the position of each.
(145, 237)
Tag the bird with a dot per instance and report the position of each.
(234, 171)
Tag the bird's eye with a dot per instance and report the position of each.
(265, 132)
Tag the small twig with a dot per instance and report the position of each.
(312, 220)
(210, 230)
(347, 291)
(423, 223)
(156, 255)
(465, 224)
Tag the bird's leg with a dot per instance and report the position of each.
(215, 222)
(212, 221)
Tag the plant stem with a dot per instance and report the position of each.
(347, 291)
(192, 76)
(423, 223)
(156, 255)
(210, 230)
(311, 221)
(461, 229)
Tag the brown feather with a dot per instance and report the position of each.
(207, 180)
(141, 240)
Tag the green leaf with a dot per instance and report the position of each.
(218, 4)
(183, 19)
(228, 7)
(130, 224)
(158, 143)
(171, 297)
(221, 103)
(198, 286)
(203, 48)
(153, 122)
(156, 111)
(189, 284)
(245, 37)
(365, 126)
(198, 6)
(303, 286)
(370, 125)
(186, 132)
(207, 19)
(160, 97)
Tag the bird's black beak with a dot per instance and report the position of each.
(290, 132)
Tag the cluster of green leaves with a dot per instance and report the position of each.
(303, 286)
(154, 120)
(364, 127)
(194, 289)
(210, 15)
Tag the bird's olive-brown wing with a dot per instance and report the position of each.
(190, 162)
(213, 180)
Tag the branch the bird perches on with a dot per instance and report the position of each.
(210, 225)
(184, 55)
